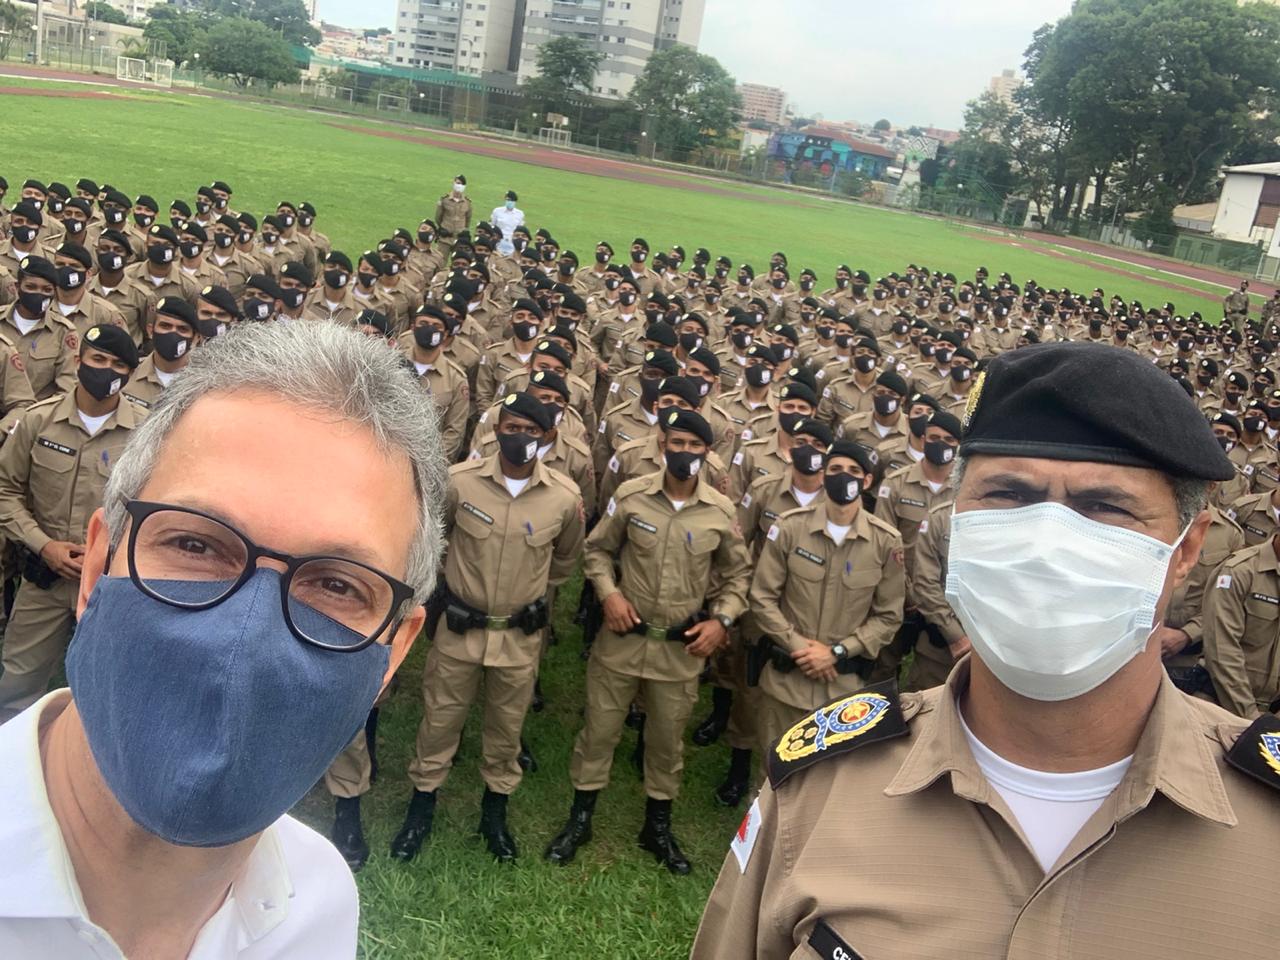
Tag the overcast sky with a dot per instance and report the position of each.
(913, 61)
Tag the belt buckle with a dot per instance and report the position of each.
(655, 633)
(497, 623)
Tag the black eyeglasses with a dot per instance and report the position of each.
(191, 560)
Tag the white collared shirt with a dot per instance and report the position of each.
(295, 898)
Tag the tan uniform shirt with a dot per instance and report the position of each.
(129, 299)
(447, 384)
(751, 422)
(52, 473)
(843, 398)
(15, 389)
(49, 351)
(1242, 631)
(569, 455)
(176, 284)
(498, 364)
(1256, 517)
(767, 499)
(672, 564)
(640, 457)
(756, 459)
(904, 500)
(504, 551)
(453, 213)
(145, 386)
(318, 307)
(904, 851)
(807, 585)
(929, 580)
(862, 428)
(91, 311)
(1186, 606)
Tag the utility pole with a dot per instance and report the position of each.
(39, 32)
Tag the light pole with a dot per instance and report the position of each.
(39, 32)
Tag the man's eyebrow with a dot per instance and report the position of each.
(1012, 481)
(1104, 492)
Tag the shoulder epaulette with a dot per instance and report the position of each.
(1246, 555)
(797, 511)
(575, 444)
(884, 525)
(634, 485)
(46, 402)
(868, 716)
(901, 471)
(1256, 752)
(469, 465)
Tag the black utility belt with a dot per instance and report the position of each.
(461, 616)
(652, 631)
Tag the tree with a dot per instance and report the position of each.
(567, 65)
(179, 31)
(14, 22)
(882, 125)
(98, 10)
(287, 19)
(687, 98)
(245, 50)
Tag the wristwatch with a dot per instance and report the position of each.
(840, 651)
(726, 622)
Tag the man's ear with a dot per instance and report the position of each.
(402, 642)
(95, 559)
(1188, 553)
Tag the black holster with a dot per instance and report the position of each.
(36, 571)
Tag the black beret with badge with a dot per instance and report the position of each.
(687, 421)
(528, 407)
(114, 340)
(1090, 403)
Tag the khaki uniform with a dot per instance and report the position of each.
(904, 500)
(864, 429)
(1236, 307)
(808, 586)
(579, 395)
(129, 299)
(1256, 517)
(503, 553)
(568, 455)
(16, 394)
(756, 459)
(204, 274)
(843, 398)
(624, 423)
(932, 662)
(175, 284)
(48, 350)
(401, 301)
(856, 843)
(498, 364)
(1186, 606)
(91, 311)
(640, 457)
(447, 384)
(145, 386)
(453, 214)
(672, 563)
(344, 311)
(751, 422)
(1242, 631)
(52, 475)
(11, 258)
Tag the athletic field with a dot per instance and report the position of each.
(365, 179)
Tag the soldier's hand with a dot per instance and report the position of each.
(706, 638)
(63, 558)
(1172, 641)
(815, 660)
(619, 615)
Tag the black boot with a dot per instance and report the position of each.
(577, 830)
(528, 762)
(710, 729)
(371, 741)
(416, 827)
(637, 755)
(348, 833)
(655, 836)
(635, 717)
(493, 827)
(736, 781)
(539, 701)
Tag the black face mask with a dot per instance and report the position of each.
(690, 342)
(885, 405)
(292, 298)
(113, 217)
(24, 234)
(1122, 335)
(778, 282)
(1255, 424)
(143, 220)
(648, 390)
(34, 304)
(566, 269)
(337, 279)
(806, 458)
(110, 262)
(842, 488)
(172, 345)
(517, 448)
(160, 254)
(758, 376)
(602, 257)
(961, 374)
(917, 425)
(524, 331)
(864, 364)
(683, 465)
(189, 250)
(939, 452)
(637, 256)
(203, 208)
(74, 227)
(741, 339)
(366, 279)
(100, 382)
(427, 337)
(880, 294)
(826, 333)
(71, 278)
(1204, 379)
(222, 240)
(627, 298)
(844, 340)
(789, 420)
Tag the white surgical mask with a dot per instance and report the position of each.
(1054, 603)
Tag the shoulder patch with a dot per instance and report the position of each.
(1256, 752)
(1224, 582)
(870, 715)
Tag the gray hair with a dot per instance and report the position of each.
(322, 366)
(1189, 495)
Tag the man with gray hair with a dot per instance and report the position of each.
(236, 622)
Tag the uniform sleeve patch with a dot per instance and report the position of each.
(744, 841)
(746, 500)
(1224, 582)
(737, 459)
(612, 508)
(773, 532)
(613, 464)
(884, 490)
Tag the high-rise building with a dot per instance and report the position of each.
(465, 36)
(1005, 85)
(762, 103)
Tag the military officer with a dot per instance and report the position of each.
(439, 375)
(46, 339)
(53, 469)
(1235, 305)
(173, 335)
(669, 565)
(453, 211)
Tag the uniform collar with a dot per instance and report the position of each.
(818, 520)
(654, 487)
(493, 470)
(124, 415)
(1174, 755)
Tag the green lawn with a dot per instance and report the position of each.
(453, 902)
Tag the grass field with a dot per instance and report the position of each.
(453, 901)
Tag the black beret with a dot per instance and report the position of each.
(683, 387)
(662, 360)
(147, 202)
(373, 318)
(762, 351)
(221, 298)
(1209, 365)
(297, 270)
(162, 232)
(894, 382)
(273, 220)
(460, 179)
(468, 290)
(571, 301)
(966, 353)
(708, 359)
(662, 333)
(25, 208)
(77, 253)
(532, 306)
(1093, 403)
(181, 206)
(36, 266)
(798, 391)
(524, 405)
(433, 311)
(221, 185)
(798, 374)
(194, 229)
(856, 452)
(640, 242)
(260, 281)
(248, 220)
(564, 330)
(34, 185)
(206, 192)
(114, 340)
(87, 185)
(551, 381)
(552, 349)
(688, 422)
(786, 331)
(868, 343)
(375, 261)
(81, 204)
(946, 421)
(813, 427)
(1229, 419)
(177, 308)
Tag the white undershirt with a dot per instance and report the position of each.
(544, 450)
(515, 487)
(24, 325)
(881, 429)
(911, 451)
(421, 367)
(838, 533)
(677, 504)
(802, 498)
(67, 309)
(1050, 807)
(164, 378)
(935, 487)
(93, 424)
(651, 417)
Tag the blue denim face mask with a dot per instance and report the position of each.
(209, 725)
